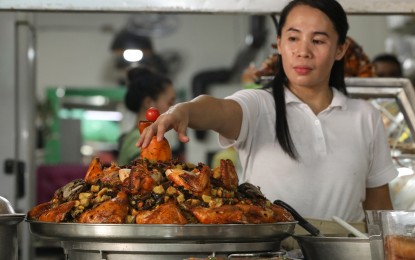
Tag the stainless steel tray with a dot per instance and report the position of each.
(161, 232)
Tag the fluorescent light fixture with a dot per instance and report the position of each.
(98, 100)
(103, 115)
(133, 55)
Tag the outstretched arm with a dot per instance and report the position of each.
(202, 113)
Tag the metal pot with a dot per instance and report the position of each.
(334, 247)
(9, 221)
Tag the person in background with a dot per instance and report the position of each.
(387, 65)
(146, 88)
(301, 139)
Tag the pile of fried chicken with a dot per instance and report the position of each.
(159, 192)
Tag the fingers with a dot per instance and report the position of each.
(163, 124)
(182, 134)
(145, 137)
(161, 130)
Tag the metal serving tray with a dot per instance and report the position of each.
(161, 232)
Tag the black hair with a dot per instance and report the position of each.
(386, 57)
(338, 17)
(143, 82)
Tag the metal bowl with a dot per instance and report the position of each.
(334, 247)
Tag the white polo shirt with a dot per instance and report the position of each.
(342, 150)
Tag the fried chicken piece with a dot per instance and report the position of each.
(157, 151)
(226, 214)
(255, 214)
(140, 180)
(229, 176)
(195, 181)
(112, 211)
(110, 176)
(94, 172)
(167, 213)
(57, 214)
(282, 214)
(40, 209)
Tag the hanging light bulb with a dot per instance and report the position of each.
(133, 55)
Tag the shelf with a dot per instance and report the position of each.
(201, 6)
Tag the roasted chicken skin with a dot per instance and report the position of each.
(110, 176)
(195, 181)
(113, 211)
(226, 214)
(236, 214)
(157, 151)
(228, 173)
(40, 209)
(282, 215)
(94, 171)
(58, 213)
(140, 180)
(168, 213)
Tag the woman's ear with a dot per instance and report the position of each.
(341, 49)
(278, 43)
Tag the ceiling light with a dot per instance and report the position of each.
(133, 55)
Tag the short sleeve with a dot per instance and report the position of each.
(382, 169)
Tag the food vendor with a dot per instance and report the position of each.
(301, 139)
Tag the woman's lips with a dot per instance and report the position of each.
(302, 70)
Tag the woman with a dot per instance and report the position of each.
(301, 139)
(145, 89)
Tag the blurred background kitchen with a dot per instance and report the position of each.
(62, 83)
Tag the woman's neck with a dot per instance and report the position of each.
(317, 99)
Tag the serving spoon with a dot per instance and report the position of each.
(301, 221)
(349, 227)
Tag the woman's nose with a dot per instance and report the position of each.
(304, 50)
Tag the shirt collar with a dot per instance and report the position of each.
(339, 99)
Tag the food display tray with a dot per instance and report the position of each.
(162, 232)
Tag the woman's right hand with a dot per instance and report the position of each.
(177, 118)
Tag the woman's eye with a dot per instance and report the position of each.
(292, 39)
(317, 42)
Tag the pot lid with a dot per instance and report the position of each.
(7, 213)
(11, 219)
